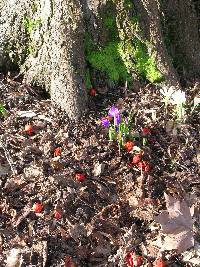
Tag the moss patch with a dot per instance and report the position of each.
(145, 64)
(30, 26)
(121, 56)
(118, 59)
(108, 60)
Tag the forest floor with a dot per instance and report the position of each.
(112, 215)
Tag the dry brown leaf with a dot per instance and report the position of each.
(133, 201)
(23, 214)
(56, 165)
(1, 243)
(33, 171)
(103, 248)
(120, 103)
(4, 169)
(150, 250)
(69, 262)
(26, 113)
(177, 224)
(77, 231)
(193, 255)
(169, 126)
(93, 141)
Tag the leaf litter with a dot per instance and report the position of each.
(116, 209)
(177, 225)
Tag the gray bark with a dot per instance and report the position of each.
(56, 61)
(12, 32)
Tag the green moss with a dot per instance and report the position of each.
(122, 55)
(109, 61)
(145, 64)
(119, 59)
(126, 51)
(152, 73)
(128, 4)
(110, 25)
(31, 24)
(109, 22)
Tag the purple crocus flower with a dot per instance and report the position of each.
(114, 112)
(105, 122)
(117, 120)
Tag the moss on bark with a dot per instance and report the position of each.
(123, 56)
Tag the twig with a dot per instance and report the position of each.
(7, 155)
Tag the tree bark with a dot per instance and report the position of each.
(152, 16)
(56, 60)
(45, 39)
(183, 32)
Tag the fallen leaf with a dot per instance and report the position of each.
(177, 224)
(120, 103)
(56, 164)
(98, 169)
(33, 171)
(26, 113)
(23, 214)
(103, 248)
(77, 232)
(169, 127)
(4, 169)
(69, 262)
(41, 249)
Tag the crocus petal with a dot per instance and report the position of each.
(113, 111)
(105, 122)
(117, 119)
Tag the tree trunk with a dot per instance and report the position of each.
(152, 16)
(183, 35)
(68, 45)
(53, 31)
